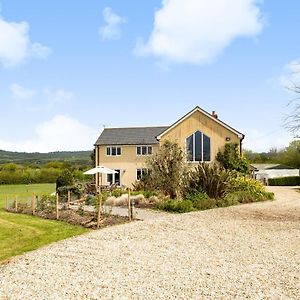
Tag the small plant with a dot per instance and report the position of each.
(46, 203)
(209, 178)
(175, 205)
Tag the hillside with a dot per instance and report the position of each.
(79, 157)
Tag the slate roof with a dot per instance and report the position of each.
(130, 136)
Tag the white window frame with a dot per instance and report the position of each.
(113, 177)
(147, 150)
(141, 170)
(194, 148)
(110, 150)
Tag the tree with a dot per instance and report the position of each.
(167, 169)
(65, 179)
(292, 122)
(291, 155)
(231, 159)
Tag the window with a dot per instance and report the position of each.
(141, 173)
(114, 178)
(198, 147)
(144, 150)
(113, 151)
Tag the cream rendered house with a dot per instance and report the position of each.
(125, 150)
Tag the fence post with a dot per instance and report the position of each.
(99, 209)
(16, 204)
(33, 203)
(56, 206)
(6, 202)
(69, 198)
(129, 206)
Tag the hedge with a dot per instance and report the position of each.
(285, 181)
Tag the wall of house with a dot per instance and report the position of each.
(199, 121)
(128, 163)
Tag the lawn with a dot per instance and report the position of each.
(20, 233)
(23, 191)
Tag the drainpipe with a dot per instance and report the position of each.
(241, 140)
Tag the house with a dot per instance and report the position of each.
(125, 150)
(263, 172)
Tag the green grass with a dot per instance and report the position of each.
(21, 233)
(24, 191)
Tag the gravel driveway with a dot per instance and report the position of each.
(243, 252)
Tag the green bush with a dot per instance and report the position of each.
(237, 197)
(251, 186)
(209, 178)
(174, 205)
(90, 200)
(46, 203)
(231, 158)
(118, 192)
(285, 181)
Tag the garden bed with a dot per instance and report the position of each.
(82, 218)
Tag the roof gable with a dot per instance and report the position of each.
(197, 108)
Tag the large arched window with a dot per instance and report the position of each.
(198, 147)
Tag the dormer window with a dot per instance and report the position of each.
(198, 147)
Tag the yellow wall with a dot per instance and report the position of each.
(199, 121)
(128, 162)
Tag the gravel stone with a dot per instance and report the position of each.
(249, 251)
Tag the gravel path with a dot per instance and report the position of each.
(243, 252)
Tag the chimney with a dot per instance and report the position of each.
(214, 114)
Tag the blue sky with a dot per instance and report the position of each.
(69, 67)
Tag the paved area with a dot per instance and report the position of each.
(249, 251)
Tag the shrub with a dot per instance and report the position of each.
(285, 181)
(231, 159)
(46, 203)
(90, 200)
(65, 179)
(166, 169)
(175, 205)
(251, 186)
(118, 192)
(237, 197)
(210, 178)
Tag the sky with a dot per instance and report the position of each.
(69, 68)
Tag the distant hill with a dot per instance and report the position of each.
(76, 157)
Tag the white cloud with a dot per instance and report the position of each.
(291, 74)
(20, 92)
(196, 31)
(112, 28)
(37, 99)
(15, 44)
(61, 133)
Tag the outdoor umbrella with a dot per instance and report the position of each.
(100, 170)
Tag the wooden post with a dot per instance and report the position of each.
(16, 204)
(69, 198)
(6, 202)
(129, 206)
(99, 209)
(33, 203)
(57, 215)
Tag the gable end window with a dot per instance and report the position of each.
(143, 150)
(113, 151)
(198, 147)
